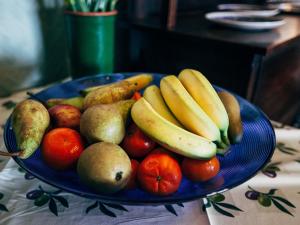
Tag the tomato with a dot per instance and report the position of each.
(136, 143)
(132, 180)
(136, 96)
(200, 170)
(163, 150)
(61, 148)
(159, 174)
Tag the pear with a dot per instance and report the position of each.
(105, 122)
(105, 167)
(74, 101)
(30, 119)
(232, 107)
(109, 94)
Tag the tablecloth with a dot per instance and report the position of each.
(271, 197)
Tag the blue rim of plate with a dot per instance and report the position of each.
(111, 199)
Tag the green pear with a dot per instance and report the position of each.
(74, 101)
(30, 119)
(105, 122)
(105, 167)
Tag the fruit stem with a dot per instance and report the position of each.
(224, 137)
(10, 154)
(37, 98)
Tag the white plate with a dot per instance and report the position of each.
(235, 20)
(257, 10)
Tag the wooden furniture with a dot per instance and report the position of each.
(261, 66)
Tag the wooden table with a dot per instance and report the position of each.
(253, 64)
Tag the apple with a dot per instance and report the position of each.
(63, 115)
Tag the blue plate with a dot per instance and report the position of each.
(242, 162)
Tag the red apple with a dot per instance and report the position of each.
(65, 116)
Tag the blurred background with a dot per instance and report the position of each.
(161, 36)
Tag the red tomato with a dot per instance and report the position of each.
(132, 180)
(136, 96)
(136, 143)
(163, 150)
(61, 148)
(159, 174)
(200, 170)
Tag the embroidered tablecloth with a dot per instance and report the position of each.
(271, 197)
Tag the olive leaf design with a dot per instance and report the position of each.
(104, 208)
(2, 207)
(42, 197)
(286, 150)
(271, 169)
(171, 208)
(216, 201)
(266, 199)
(9, 104)
(27, 175)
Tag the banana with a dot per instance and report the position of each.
(207, 98)
(232, 106)
(169, 135)
(187, 111)
(153, 95)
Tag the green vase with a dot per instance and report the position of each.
(91, 42)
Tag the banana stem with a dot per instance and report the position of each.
(224, 137)
(2, 153)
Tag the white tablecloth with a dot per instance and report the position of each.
(26, 200)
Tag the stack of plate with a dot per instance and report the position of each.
(246, 17)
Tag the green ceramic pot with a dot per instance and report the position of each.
(91, 42)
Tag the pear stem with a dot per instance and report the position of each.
(2, 153)
(37, 98)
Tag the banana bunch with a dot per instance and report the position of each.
(168, 134)
(185, 114)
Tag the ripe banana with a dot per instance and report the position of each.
(232, 106)
(187, 111)
(169, 135)
(207, 98)
(153, 95)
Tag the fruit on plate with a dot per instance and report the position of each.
(132, 183)
(105, 122)
(123, 107)
(159, 174)
(74, 101)
(187, 111)
(30, 119)
(205, 95)
(105, 167)
(235, 122)
(140, 81)
(64, 115)
(106, 95)
(136, 143)
(136, 96)
(169, 135)
(200, 170)
(166, 151)
(61, 148)
(153, 95)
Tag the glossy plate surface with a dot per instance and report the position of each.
(242, 162)
(245, 20)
